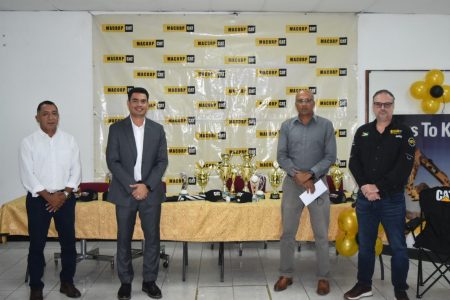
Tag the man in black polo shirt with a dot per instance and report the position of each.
(381, 160)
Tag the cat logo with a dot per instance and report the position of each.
(271, 103)
(340, 132)
(443, 195)
(189, 90)
(209, 43)
(301, 59)
(270, 42)
(342, 102)
(267, 134)
(113, 119)
(331, 41)
(293, 90)
(148, 43)
(192, 180)
(117, 89)
(161, 105)
(160, 74)
(297, 28)
(239, 29)
(209, 73)
(240, 60)
(178, 27)
(117, 27)
(271, 72)
(342, 163)
(179, 59)
(191, 120)
(118, 58)
(264, 164)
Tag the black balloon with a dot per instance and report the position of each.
(436, 91)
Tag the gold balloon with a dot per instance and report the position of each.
(347, 222)
(430, 106)
(434, 77)
(446, 96)
(419, 89)
(378, 246)
(345, 245)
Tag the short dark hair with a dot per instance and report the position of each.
(139, 90)
(383, 92)
(45, 102)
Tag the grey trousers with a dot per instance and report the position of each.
(291, 210)
(126, 217)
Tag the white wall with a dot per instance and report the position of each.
(401, 42)
(43, 55)
(47, 55)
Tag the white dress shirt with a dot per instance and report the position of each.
(49, 163)
(138, 132)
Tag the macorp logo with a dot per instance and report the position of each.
(148, 43)
(239, 29)
(117, 89)
(211, 105)
(209, 73)
(301, 59)
(178, 27)
(301, 28)
(179, 59)
(112, 119)
(271, 103)
(332, 41)
(240, 60)
(331, 72)
(293, 90)
(208, 135)
(261, 42)
(240, 151)
(271, 72)
(239, 91)
(187, 90)
(209, 43)
(118, 59)
(153, 74)
(182, 150)
(117, 27)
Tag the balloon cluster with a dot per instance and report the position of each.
(347, 240)
(432, 91)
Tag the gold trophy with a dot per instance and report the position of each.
(224, 168)
(247, 169)
(336, 175)
(202, 174)
(234, 173)
(275, 177)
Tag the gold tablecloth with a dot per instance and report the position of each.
(189, 221)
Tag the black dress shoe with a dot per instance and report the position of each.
(69, 290)
(151, 289)
(36, 294)
(124, 292)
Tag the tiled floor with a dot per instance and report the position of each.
(250, 276)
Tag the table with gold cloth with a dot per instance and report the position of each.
(188, 221)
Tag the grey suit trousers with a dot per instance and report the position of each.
(291, 210)
(150, 216)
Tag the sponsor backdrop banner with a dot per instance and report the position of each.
(223, 83)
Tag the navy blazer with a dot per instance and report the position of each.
(121, 154)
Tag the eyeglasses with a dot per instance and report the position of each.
(386, 105)
(303, 101)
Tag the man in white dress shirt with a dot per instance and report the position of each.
(50, 170)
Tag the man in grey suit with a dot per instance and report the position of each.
(137, 158)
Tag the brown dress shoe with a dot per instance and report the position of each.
(323, 287)
(36, 294)
(282, 283)
(69, 290)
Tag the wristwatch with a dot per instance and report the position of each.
(66, 193)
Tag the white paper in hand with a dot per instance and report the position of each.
(307, 198)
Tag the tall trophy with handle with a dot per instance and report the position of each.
(184, 183)
(224, 169)
(275, 178)
(202, 174)
(247, 169)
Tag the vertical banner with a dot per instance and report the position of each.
(223, 83)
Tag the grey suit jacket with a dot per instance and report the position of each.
(121, 156)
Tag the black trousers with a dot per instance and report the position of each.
(38, 224)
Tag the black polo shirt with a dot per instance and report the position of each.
(384, 159)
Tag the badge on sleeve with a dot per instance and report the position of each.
(412, 142)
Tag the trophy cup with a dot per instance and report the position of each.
(224, 168)
(202, 174)
(184, 183)
(254, 184)
(275, 178)
(234, 173)
(336, 176)
(247, 169)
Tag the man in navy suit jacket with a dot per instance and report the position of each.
(137, 158)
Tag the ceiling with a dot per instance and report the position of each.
(324, 6)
